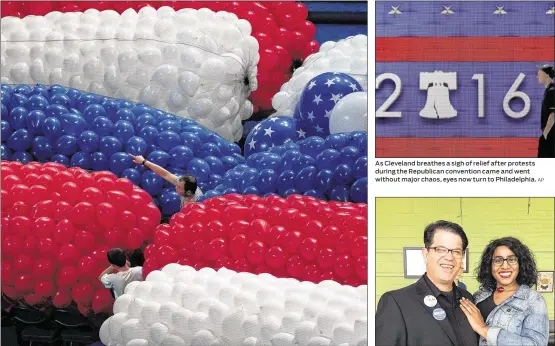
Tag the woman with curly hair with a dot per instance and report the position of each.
(514, 314)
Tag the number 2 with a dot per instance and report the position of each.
(383, 112)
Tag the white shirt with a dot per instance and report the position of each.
(120, 280)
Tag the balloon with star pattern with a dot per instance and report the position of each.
(318, 99)
(270, 133)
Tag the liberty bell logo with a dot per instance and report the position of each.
(438, 105)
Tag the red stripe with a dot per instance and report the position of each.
(464, 49)
(456, 147)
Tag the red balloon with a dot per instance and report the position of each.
(361, 268)
(48, 248)
(61, 299)
(162, 237)
(148, 267)
(45, 180)
(292, 242)
(102, 301)
(105, 184)
(82, 213)
(259, 229)
(62, 210)
(343, 266)
(43, 227)
(236, 212)
(65, 232)
(38, 193)
(238, 247)
(93, 195)
(134, 238)
(68, 254)
(33, 299)
(118, 199)
(274, 235)
(24, 283)
(275, 258)
(326, 258)
(23, 264)
(44, 209)
(126, 220)
(217, 248)
(295, 266)
(84, 241)
(360, 247)
(125, 185)
(238, 227)
(82, 293)
(106, 214)
(22, 224)
(44, 269)
(45, 289)
(30, 245)
(309, 249)
(70, 192)
(19, 193)
(85, 180)
(8, 273)
(256, 252)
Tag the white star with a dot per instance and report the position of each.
(319, 129)
(274, 119)
(447, 10)
(395, 11)
(301, 133)
(353, 86)
(273, 145)
(551, 11)
(500, 10)
(311, 116)
(335, 98)
(311, 85)
(329, 83)
(328, 114)
(317, 99)
(252, 143)
(268, 131)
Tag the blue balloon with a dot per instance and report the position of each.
(305, 179)
(180, 156)
(337, 141)
(52, 128)
(85, 100)
(22, 89)
(312, 146)
(343, 175)
(285, 181)
(75, 111)
(214, 180)
(360, 168)
(40, 90)
(18, 100)
(159, 157)
(4, 113)
(56, 89)
(190, 140)
(37, 102)
(151, 148)
(200, 132)
(162, 116)
(99, 161)
(229, 191)
(20, 140)
(42, 148)
(109, 145)
(60, 99)
(136, 146)
(88, 141)
(167, 140)
(249, 177)
(359, 191)
(349, 155)
(81, 159)
(138, 109)
(266, 181)
(6, 153)
(323, 181)
(172, 125)
(303, 162)
(119, 162)
(111, 108)
(152, 183)
(251, 190)
(34, 122)
(315, 193)
(328, 159)
(123, 130)
(145, 119)
(318, 99)
(93, 111)
(340, 193)
(199, 169)
(127, 115)
(125, 104)
(132, 174)
(6, 98)
(17, 118)
(216, 165)
(60, 158)
(209, 149)
(270, 132)
(55, 111)
(170, 202)
(7, 130)
(289, 158)
(241, 167)
(149, 133)
(209, 194)
(74, 95)
(289, 192)
(22, 156)
(67, 145)
(229, 162)
(103, 126)
(73, 124)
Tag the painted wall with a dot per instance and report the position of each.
(400, 223)
(335, 32)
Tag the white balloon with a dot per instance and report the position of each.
(173, 340)
(319, 341)
(203, 338)
(350, 114)
(158, 332)
(137, 342)
(104, 332)
(122, 303)
(283, 339)
(252, 341)
(150, 312)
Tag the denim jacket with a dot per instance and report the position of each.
(521, 319)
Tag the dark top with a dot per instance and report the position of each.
(548, 104)
(486, 307)
(402, 317)
(449, 301)
(462, 285)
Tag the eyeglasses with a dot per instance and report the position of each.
(498, 261)
(443, 251)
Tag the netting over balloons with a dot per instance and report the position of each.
(180, 306)
(197, 64)
(335, 168)
(348, 56)
(97, 133)
(298, 237)
(57, 225)
(281, 29)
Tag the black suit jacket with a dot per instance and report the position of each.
(402, 319)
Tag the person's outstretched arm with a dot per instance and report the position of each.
(390, 325)
(163, 173)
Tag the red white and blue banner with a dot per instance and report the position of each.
(459, 79)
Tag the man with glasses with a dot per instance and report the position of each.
(428, 312)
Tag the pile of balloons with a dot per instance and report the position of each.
(179, 306)
(271, 132)
(345, 56)
(281, 29)
(299, 237)
(335, 168)
(57, 225)
(97, 133)
(196, 64)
